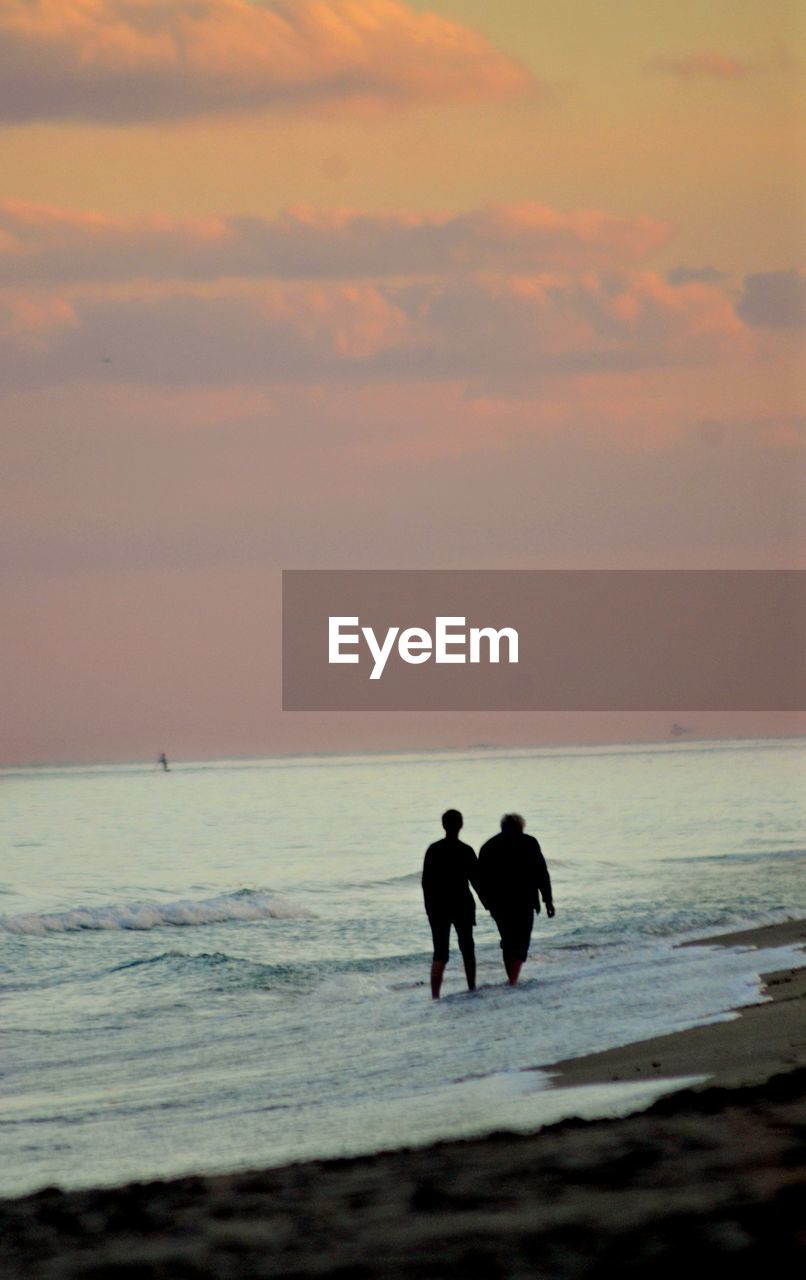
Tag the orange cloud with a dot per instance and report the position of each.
(119, 61)
(46, 242)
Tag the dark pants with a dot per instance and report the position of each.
(441, 933)
(515, 927)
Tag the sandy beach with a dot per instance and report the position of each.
(712, 1174)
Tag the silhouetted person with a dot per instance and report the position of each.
(163, 760)
(513, 877)
(450, 867)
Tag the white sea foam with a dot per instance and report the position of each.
(245, 905)
(349, 988)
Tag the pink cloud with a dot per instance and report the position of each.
(785, 435)
(705, 65)
(105, 478)
(645, 307)
(495, 297)
(492, 333)
(121, 61)
(29, 319)
(47, 242)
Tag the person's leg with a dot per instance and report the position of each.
(499, 924)
(515, 929)
(437, 970)
(518, 945)
(505, 930)
(440, 931)
(465, 935)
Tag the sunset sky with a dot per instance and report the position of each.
(367, 284)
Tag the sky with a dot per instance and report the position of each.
(376, 284)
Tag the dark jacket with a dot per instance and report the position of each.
(449, 868)
(512, 873)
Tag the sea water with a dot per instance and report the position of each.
(226, 965)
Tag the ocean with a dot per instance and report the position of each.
(226, 965)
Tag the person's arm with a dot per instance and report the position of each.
(474, 873)
(543, 883)
(427, 878)
(482, 881)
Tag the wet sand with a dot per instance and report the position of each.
(712, 1176)
(765, 1039)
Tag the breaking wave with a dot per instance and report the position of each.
(244, 905)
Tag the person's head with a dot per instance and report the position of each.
(512, 824)
(452, 822)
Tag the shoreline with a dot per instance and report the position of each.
(762, 1040)
(712, 1172)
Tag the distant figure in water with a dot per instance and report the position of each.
(513, 877)
(450, 867)
(163, 760)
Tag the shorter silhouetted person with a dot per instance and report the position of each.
(450, 867)
(163, 760)
(513, 877)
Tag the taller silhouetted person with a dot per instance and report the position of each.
(513, 877)
(450, 867)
